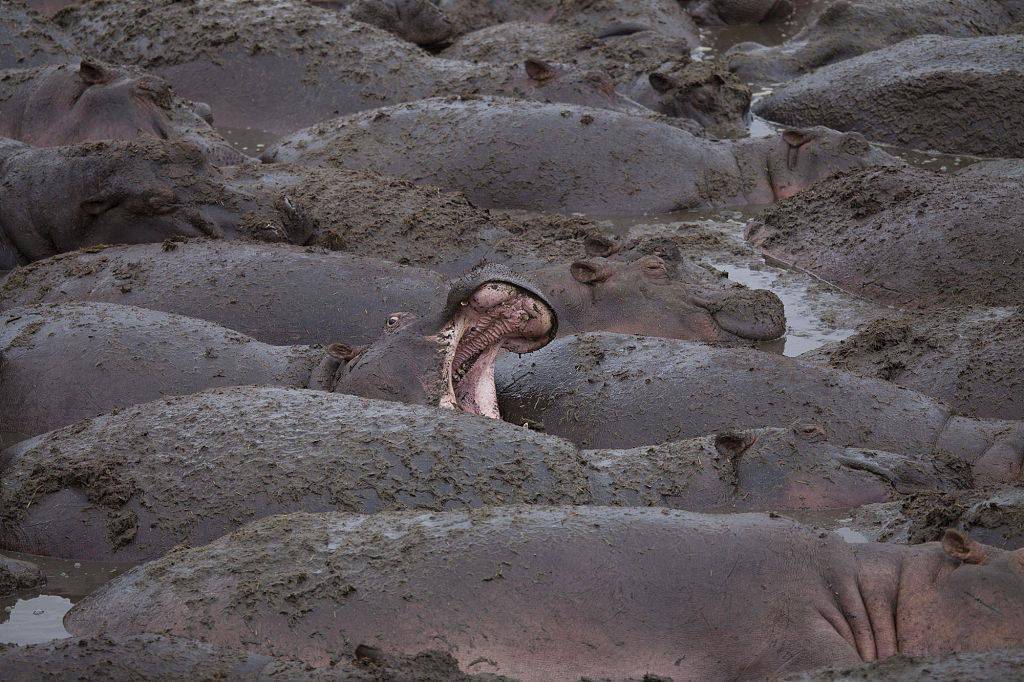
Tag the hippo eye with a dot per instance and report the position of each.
(393, 321)
(98, 206)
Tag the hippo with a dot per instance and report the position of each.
(1005, 664)
(604, 390)
(555, 593)
(154, 658)
(48, 8)
(418, 21)
(26, 40)
(933, 92)
(848, 28)
(551, 157)
(1007, 169)
(445, 358)
(250, 61)
(903, 237)
(595, 17)
(18, 575)
(275, 292)
(972, 359)
(723, 12)
(89, 101)
(89, 491)
(59, 199)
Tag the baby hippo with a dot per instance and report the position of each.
(89, 101)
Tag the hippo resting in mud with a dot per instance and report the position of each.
(612, 391)
(26, 40)
(444, 359)
(131, 485)
(848, 28)
(555, 593)
(286, 295)
(971, 358)
(418, 21)
(279, 67)
(934, 92)
(89, 101)
(154, 658)
(552, 157)
(17, 575)
(904, 237)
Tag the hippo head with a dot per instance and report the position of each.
(961, 596)
(127, 192)
(642, 297)
(419, 21)
(705, 92)
(447, 359)
(544, 81)
(798, 158)
(95, 101)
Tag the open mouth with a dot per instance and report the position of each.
(497, 316)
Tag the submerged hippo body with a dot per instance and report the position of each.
(973, 359)
(229, 456)
(611, 390)
(26, 40)
(262, 75)
(848, 28)
(284, 294)
(551, 157)
(556, 593)
(418, 21)
(90, 101)
(933, 92)
(136, 355)
(904, 237)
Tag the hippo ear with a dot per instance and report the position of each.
(342, 352)
(661, 83)
(960, 546)
(538, 70)
(92, 73)
(797, 138)
(732, 444)
(588, 272)
(599, 245)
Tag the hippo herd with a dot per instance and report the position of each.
(385, 338)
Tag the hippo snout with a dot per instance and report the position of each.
(755, 314)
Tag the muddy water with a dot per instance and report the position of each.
(37, 615)
(248, 140)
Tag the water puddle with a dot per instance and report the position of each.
(251, 141)
(37, 615)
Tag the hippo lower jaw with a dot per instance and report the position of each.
(497, 316)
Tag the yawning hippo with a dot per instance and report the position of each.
(973, 359)
(904, 237)
(287, 295)
(127, 485)
(610, 390)
(90, 101)
(279, 66)
(551, 157)
(558, 593)
(26, 40)
(933, 92)
(847, 28)
(136, 355)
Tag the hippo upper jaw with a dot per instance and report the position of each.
(497, 316)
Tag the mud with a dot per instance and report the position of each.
(989, 665)
(26, 40)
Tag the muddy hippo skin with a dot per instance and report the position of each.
(129, 485)
(550, 157)
(972, 359)
(48, 8)
(847, 28)
(614, 585)
(903, 237)
(286, 295)
(59, 199)
(17, 575)
(719, 12)
(934, 92)
(605, 390)
(1005, 664)
(153, 658)
(90, 101)
(255, 69)
(417, 21)
(26, 40)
